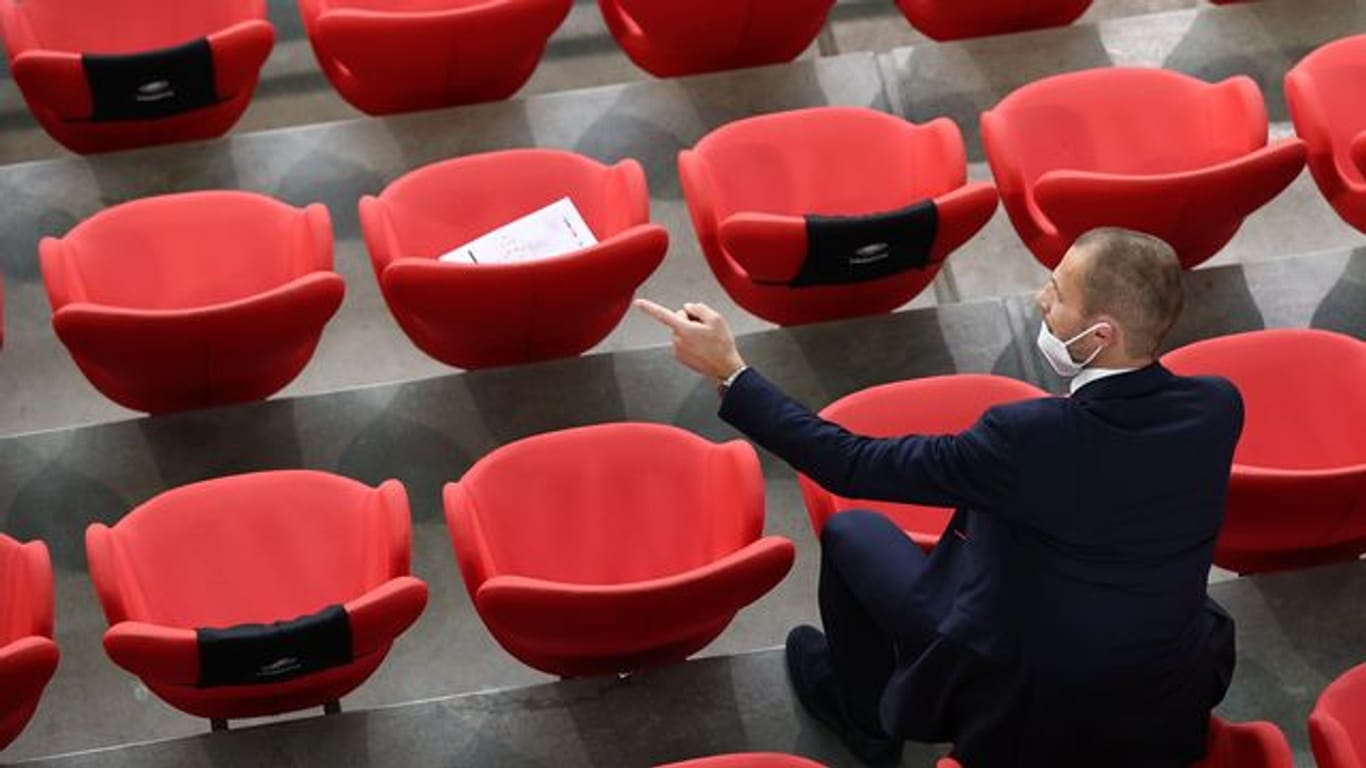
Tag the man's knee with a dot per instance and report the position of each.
(876, 562)
(845, 530)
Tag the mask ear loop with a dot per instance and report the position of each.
(1099, 349)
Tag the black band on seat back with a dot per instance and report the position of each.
(853, 249)
(249, 654)
(152, 84)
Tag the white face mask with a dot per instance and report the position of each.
(1055, 351)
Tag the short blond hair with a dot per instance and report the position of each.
(1135, 278)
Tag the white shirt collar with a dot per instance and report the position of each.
(1089, 375)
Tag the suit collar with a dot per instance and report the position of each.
(1128, 384)
(1093, 373)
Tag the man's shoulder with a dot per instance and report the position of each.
(1213, 392)
(1218, 390)
(1023, 414)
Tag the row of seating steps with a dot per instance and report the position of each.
(338, 163)
(56, 476)
(740, 703)
(293, 90)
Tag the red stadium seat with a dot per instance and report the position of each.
(28, 657)
(1246, 745)
(257, 594)
(193, 300)
(683, 37)
(1231, 745)
(933, 405)
(129, 73)
(485, 315)
(1297, 496)
(1324, 95)
(832, 212)
(955, 19)
(384, 56)
(1147, 149)
(1337, 726)
(747, 760)
(635, 546)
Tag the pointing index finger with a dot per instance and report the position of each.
(663, 315)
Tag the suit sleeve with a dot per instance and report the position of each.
(973, 468)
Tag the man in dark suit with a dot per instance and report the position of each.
(1062, 619)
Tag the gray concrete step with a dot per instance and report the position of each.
(1296, 633)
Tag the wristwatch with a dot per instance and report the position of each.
(725, 384)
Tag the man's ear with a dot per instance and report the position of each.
(1109, 334)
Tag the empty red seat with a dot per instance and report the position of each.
(747, 760)
(28, 657)
(1297, 496)
(1231, 745)
(483, 315)
(1324, 95)
(1146, 149)
(954, 19)
(129, 73)
(928, 406)
(613, 547)
(257, 594)
(193, 300)
(682, 37)
(826, 213)
(384, 56)
(1337, 726)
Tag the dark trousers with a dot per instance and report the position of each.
(868, 569)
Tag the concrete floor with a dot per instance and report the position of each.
(741, 702)
(372, 406)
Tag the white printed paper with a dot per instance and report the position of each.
(554, 230)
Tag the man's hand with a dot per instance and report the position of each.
(702, 338)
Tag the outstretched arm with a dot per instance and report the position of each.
(972, 468)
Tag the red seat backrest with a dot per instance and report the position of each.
(448, 204)
(1302, 394)
(26, 584)
(405, 6)
(1335, 72)
(611, 504)
(927, 406)
(250, 548)
(1128, 121)
(129, 26)
(717, 25)
(1337, 726)
(837, 165)
(183, 251)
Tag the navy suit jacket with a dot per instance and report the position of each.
(1071, 581)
